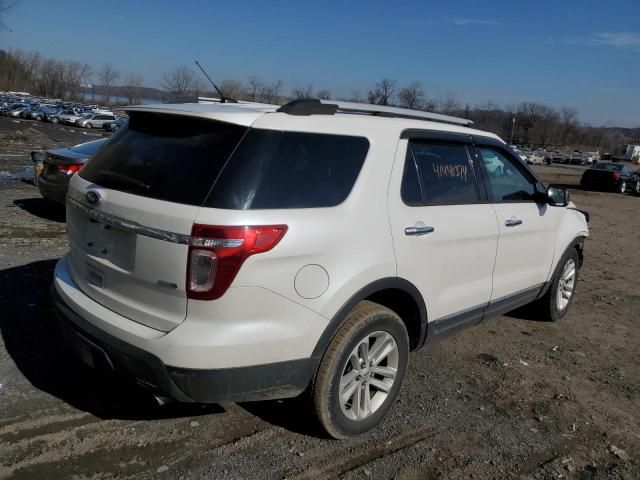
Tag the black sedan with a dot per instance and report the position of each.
(610, 176)
(60, 164)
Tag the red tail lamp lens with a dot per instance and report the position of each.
(216, 254)
(70, 169)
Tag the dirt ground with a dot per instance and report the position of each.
(511, 398)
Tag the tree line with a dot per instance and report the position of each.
(528, 123)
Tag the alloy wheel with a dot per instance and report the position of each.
(368, 375)
(566, 285)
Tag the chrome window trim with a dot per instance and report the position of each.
(128, 225)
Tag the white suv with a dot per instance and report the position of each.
(232, 251)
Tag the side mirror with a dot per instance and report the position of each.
(557, 196)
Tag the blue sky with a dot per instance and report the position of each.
(579, 53)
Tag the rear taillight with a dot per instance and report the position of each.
(217, 253)
(616, 175)
(70, 169)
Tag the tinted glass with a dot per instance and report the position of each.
(274, 169)
(411, 191)
(506, 180)
(160, 156)
(445, 174)
(611, 167)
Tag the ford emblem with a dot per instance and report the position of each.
(93, 197)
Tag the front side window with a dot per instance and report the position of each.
(438, 174)
(506, 180)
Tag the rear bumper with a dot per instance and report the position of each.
(608, 185)
(53, 191)
(102, 350)
(113, 348)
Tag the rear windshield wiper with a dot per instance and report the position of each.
(124, 179)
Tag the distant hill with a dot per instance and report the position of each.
(631, 135)
(121, 91)
(147, 93)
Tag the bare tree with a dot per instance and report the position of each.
(108, 76)
(411, 96)
(356, 97)
(232, 89)
(134, 83)
(449, 103)
(254, 89)
(302, 92)
(271, 93)
(5, 6)
(198, 87)
(71, 76)
(323, 94)
(178, 81)
(383, 92)
(51, 77)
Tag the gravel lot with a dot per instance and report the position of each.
(512, 398)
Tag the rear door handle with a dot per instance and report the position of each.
(512, 222)
(418, 230)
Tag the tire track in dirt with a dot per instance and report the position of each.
(328, 467)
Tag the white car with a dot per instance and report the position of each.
(95, 120)
(520, 154)
(237, 251)
(69, 116)
(536, 157)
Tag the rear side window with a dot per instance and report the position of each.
(170, 158)
(277, 170)
(438, 174)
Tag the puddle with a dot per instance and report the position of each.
(9, 178)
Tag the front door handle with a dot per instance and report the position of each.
(512, 222)
(418, 230)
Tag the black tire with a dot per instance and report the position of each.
(622, 187)
(365, 319)
(548, 305)
(88, 125)
(636, 188)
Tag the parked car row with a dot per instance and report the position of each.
(541, 156)
(56, 111)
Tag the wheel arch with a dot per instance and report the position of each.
(578, 244)
(395, 293)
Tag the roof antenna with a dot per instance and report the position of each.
(223, 99)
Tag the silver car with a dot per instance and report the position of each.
(95, 120)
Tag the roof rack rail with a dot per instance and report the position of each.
(313, 106)
(308, 106)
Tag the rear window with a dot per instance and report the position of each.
(89, 148)
(279, 170)
(166, 157)
(607, 166)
